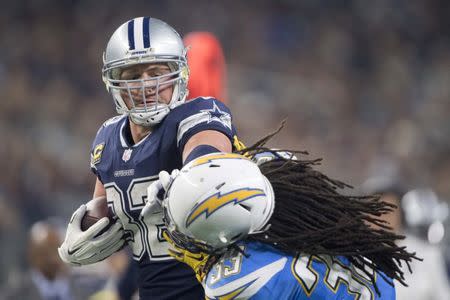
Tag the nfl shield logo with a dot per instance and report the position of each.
(126, 155)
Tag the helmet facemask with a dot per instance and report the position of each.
(145, 40)
(136, 92)
(182, 240)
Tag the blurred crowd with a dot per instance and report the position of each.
(363, 84)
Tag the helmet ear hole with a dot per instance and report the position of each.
(245, 207)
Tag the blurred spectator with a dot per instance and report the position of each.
(11, 234)
(416, 210)
(423, 213)
(47, 278)
(115, 266)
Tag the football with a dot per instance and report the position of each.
(96, 209)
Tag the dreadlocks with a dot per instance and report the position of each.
(312, 217)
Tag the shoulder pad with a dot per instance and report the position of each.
(113, 120)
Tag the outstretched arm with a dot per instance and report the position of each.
(217, 141)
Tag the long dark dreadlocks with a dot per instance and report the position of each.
(312, 217)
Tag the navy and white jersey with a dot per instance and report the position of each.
(267, 273)
(127, 170)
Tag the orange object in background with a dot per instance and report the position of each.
(207, 66)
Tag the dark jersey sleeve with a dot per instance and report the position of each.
(100, 141)
(204, 114)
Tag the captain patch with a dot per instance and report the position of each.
(96, 155)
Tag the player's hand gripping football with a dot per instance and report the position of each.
(87, 247)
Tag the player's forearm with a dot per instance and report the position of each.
(99, 189)
(212, 138)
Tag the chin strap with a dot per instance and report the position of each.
(197, 261)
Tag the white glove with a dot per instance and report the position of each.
(84, 247)
(266, 156)
(156, 191)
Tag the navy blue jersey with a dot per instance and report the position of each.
(267, 273)
(127, 170)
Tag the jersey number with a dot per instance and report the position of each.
(227, 267)
(146, 235)
(336, 274)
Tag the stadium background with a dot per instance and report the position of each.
(364, 84)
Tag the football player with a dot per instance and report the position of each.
(207, 76)
(277, 231)
(146, 72)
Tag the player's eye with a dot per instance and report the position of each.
(155, 73)
(130, 76)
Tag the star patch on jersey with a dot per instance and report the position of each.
(215, 114)
(96, 155)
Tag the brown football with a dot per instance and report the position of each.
(96, 209)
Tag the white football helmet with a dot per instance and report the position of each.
(141, 41)
(216, 200)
